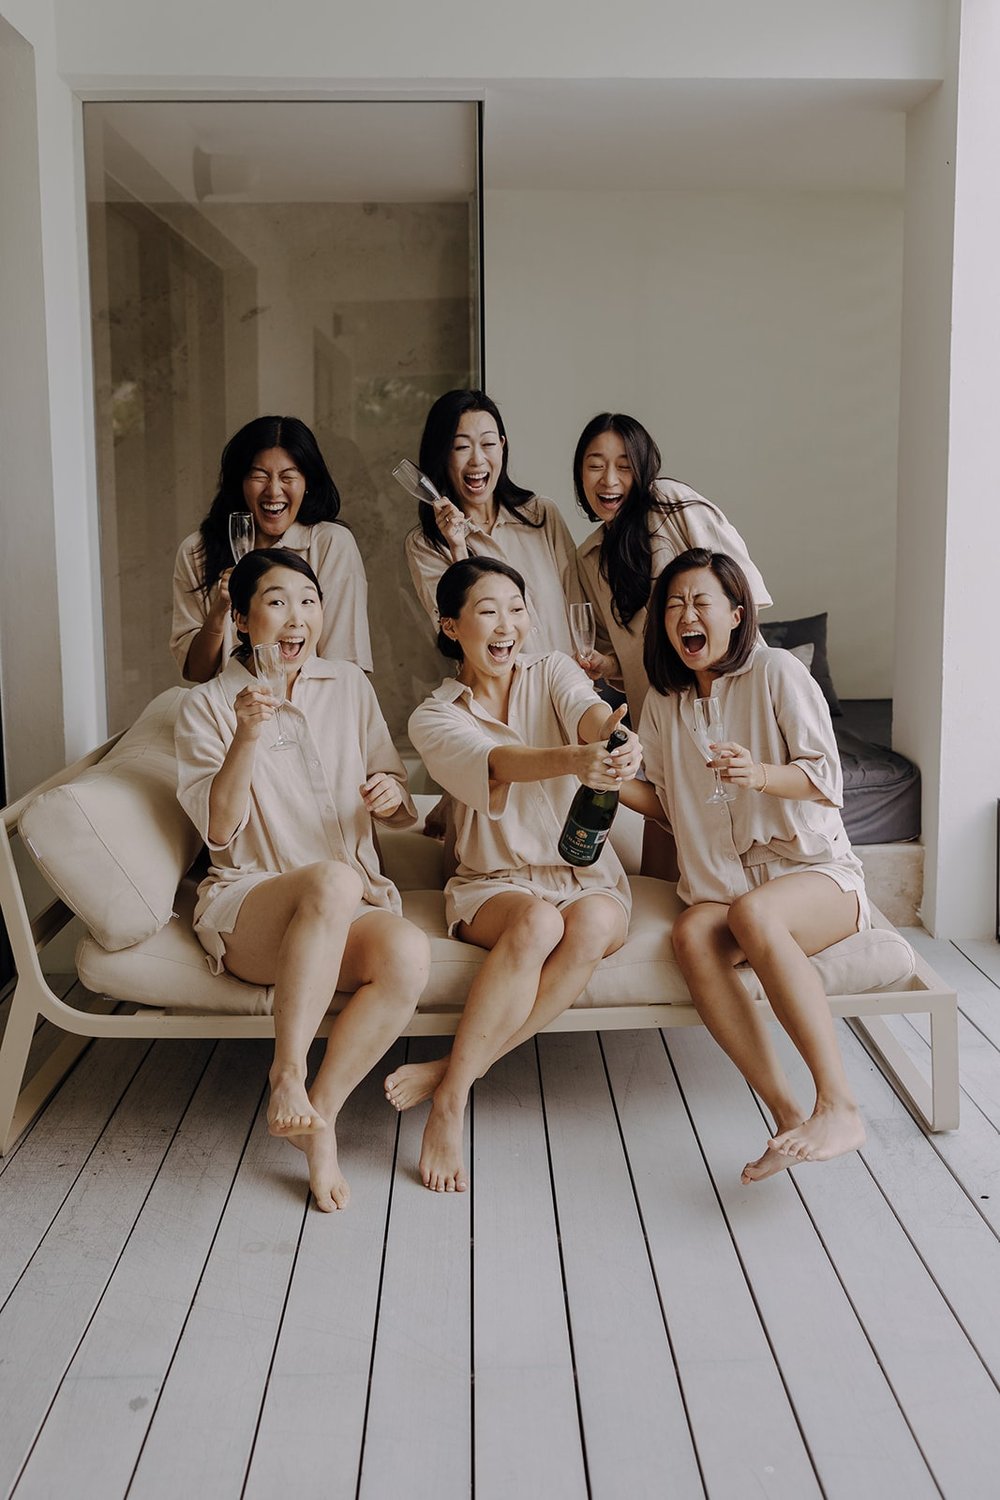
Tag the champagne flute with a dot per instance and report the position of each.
(241, 533)
(583, 628)
(271, 672)
(709, 731)
(418, 486)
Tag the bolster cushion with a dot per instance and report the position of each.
(115, 842)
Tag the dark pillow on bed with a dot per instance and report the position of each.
(789, 633)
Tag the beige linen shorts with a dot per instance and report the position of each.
(464, 895)
(848, 873)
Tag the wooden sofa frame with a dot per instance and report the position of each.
(935, 1099)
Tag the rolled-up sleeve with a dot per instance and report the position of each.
(457, 754)
(336, 561)
(189, 612)
(652, 737)
(708, 527)
(571, 691)
(201, 749)
(806, 727)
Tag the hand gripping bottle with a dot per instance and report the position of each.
(589, 820)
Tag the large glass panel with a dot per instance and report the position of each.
(317, 260)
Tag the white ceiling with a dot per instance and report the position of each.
(634, 135)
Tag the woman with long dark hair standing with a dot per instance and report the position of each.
(644, 521)
(483, 513)
(274, 469)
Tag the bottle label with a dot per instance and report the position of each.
(581, 846)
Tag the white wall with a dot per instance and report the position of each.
(757, 336)
(330, 43)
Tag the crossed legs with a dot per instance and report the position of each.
(298, 933)
(539, 960)
(777, 927)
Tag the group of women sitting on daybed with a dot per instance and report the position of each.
(295, 896)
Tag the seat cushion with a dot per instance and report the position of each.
(115, 842)
(169, 969)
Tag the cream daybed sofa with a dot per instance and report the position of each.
(115, 846)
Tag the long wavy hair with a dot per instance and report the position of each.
(435, 450)
(320, 503)
(626, 561)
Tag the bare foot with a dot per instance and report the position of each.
(765, 1166)
(329, 1186)
(414, 1082)
(289, 1111)
(441, 1167)
(831, 1130)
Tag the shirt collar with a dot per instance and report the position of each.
(296, 537)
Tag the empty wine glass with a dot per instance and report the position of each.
(710, 731)
(241, 533)
(418, 486)
(271, 672)
(583, 628)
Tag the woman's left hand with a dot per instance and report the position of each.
(381, 795)
(736, 764)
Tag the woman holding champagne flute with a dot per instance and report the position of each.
(644, 521)
(274, 490)
(295, 896)
(770, 876)
(483, 513)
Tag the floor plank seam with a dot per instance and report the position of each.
(155, 1405)
(765, 1331)
(112, 1269)
(378, 1294)
(562, 1272)
(652, 1264)
(83, 1167)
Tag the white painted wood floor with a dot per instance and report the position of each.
(606, 1313)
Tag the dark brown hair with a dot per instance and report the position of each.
(439, 434)
(664, 668)
(248, 572)
(453, 589)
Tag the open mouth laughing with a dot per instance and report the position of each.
(693, 641)
(500, 651)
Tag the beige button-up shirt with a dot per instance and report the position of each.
(511, 826)
(543, 555)
(304, 804)
(773, 707)
(698, 524)
(333, 555)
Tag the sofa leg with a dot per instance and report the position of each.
(934, 1099)
(14, 1048)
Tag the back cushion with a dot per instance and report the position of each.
(115, 842)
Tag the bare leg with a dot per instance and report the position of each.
(706, 953)
(778, 926)
(291, 932)
(586, 937)
(386, 963)
(594, 927)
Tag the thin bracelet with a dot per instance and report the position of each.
(763, 772)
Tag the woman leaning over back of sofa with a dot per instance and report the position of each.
(274, 469)
(295, 896)
(511, 738)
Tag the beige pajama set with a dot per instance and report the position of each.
(774, 708)
(304, 804)
(331, 552)
(542, 554)
(507, 834)
(698, 524)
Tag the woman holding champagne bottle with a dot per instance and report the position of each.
(295, 896)
(274, 490)
(768, 875)
(511, 738)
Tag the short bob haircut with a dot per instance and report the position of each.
(321, 501)
(436, 442)
(664, 668)
(248, 572)
(453, 590)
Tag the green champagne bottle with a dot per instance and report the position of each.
(590, 818)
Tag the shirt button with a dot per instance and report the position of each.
(314, 764)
